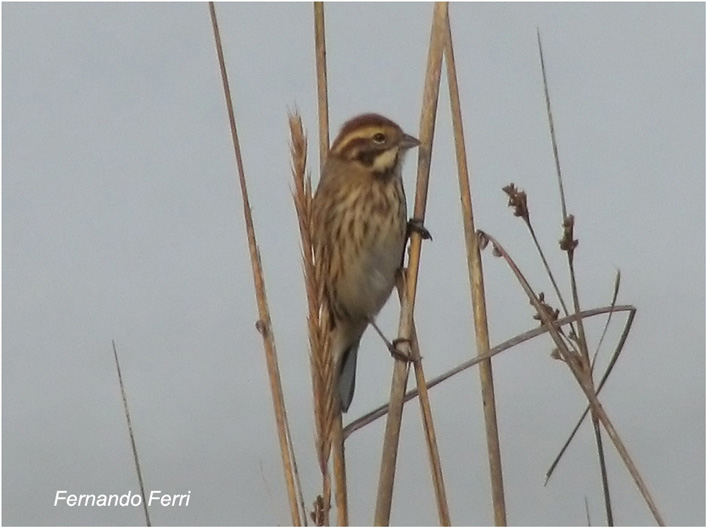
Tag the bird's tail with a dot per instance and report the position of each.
(347, 375)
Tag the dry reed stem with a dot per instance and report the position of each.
(570, 249)
(576, 366)
(264, 323)
(603, 470)
(610, 366)
(400, 371)
(321, 59)
(476, 278)
(618, 280)
(554, 142)
(381, 410)
(547, 266)
(428, 426)
(340, 476)
(133, 446)
(517, 199)
(340, 472)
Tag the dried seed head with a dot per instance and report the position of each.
(482, 240)
(517, 200)
(555, 354)
(550, 312)
(567, 243)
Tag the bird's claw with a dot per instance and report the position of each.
(396, 352)
(416, 225)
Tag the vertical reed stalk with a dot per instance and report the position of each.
(340, 472)
(568, 223)
(322, 99)
(476, 278)
(264, 323)
(340, 476)
(428, 427)
(400, 371)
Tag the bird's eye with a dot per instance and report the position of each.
(379, 137)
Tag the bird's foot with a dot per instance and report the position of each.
(396, 352)
(416, 225)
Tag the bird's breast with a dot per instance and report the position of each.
(378, 222)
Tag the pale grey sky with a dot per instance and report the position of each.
(122, 220)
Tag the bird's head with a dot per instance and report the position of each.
(374, 142)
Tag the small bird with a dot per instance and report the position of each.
(360, 228)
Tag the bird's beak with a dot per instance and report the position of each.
(408, 141)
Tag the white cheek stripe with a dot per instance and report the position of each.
(385, 160)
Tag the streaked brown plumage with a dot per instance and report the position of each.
(360, 229)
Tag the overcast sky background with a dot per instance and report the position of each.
(122, 220)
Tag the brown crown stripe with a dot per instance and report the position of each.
(361, 126)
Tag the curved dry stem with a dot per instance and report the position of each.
(610, 366)
(615, 293)
(577, 366)
(381, 410)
